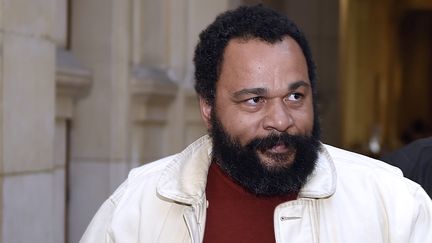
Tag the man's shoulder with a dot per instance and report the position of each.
(351, 166)
(173, 168)
(173, 162)
(151, 169)
(147, 174)
(415, 155)
(344, 158)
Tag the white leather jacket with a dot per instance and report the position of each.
(349, 198)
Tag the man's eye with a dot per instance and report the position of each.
(295, 96)
(254, 100)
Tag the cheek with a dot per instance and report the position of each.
(305, 121)
(242, 127)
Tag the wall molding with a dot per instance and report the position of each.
(73, 81)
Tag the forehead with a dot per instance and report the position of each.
(256, 62)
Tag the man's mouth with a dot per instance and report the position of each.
(278, 149)
(279, 155)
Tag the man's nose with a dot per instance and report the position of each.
(278, 117)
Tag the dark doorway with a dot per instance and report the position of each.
(415, 96)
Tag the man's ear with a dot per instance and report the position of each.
(205, 109)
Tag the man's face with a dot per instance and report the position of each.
(263, 108)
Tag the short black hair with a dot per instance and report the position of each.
(245, 22)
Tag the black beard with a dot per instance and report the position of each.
(244, 166)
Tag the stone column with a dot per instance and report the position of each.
(141, 105)
(27, 109)
(72, 83)
(99, 132)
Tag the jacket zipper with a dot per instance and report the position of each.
(194, 216)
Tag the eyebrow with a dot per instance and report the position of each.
(255, 91)
(298, 84)
(264, 91)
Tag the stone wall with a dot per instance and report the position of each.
(27, 79)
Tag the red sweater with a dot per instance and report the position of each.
(236, 215)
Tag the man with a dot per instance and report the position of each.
(261, 175)
(415, 161)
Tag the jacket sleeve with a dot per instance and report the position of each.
(99, 229)
(422, 220)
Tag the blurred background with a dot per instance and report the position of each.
(92, 88)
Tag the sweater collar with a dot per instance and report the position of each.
(184, 180)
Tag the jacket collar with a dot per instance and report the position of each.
(184, 180)
(322, 182)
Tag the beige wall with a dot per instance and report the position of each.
(27, 176)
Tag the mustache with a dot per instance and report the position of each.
(274, 139)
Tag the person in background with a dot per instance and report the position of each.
(415, 161)
(261, 173)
